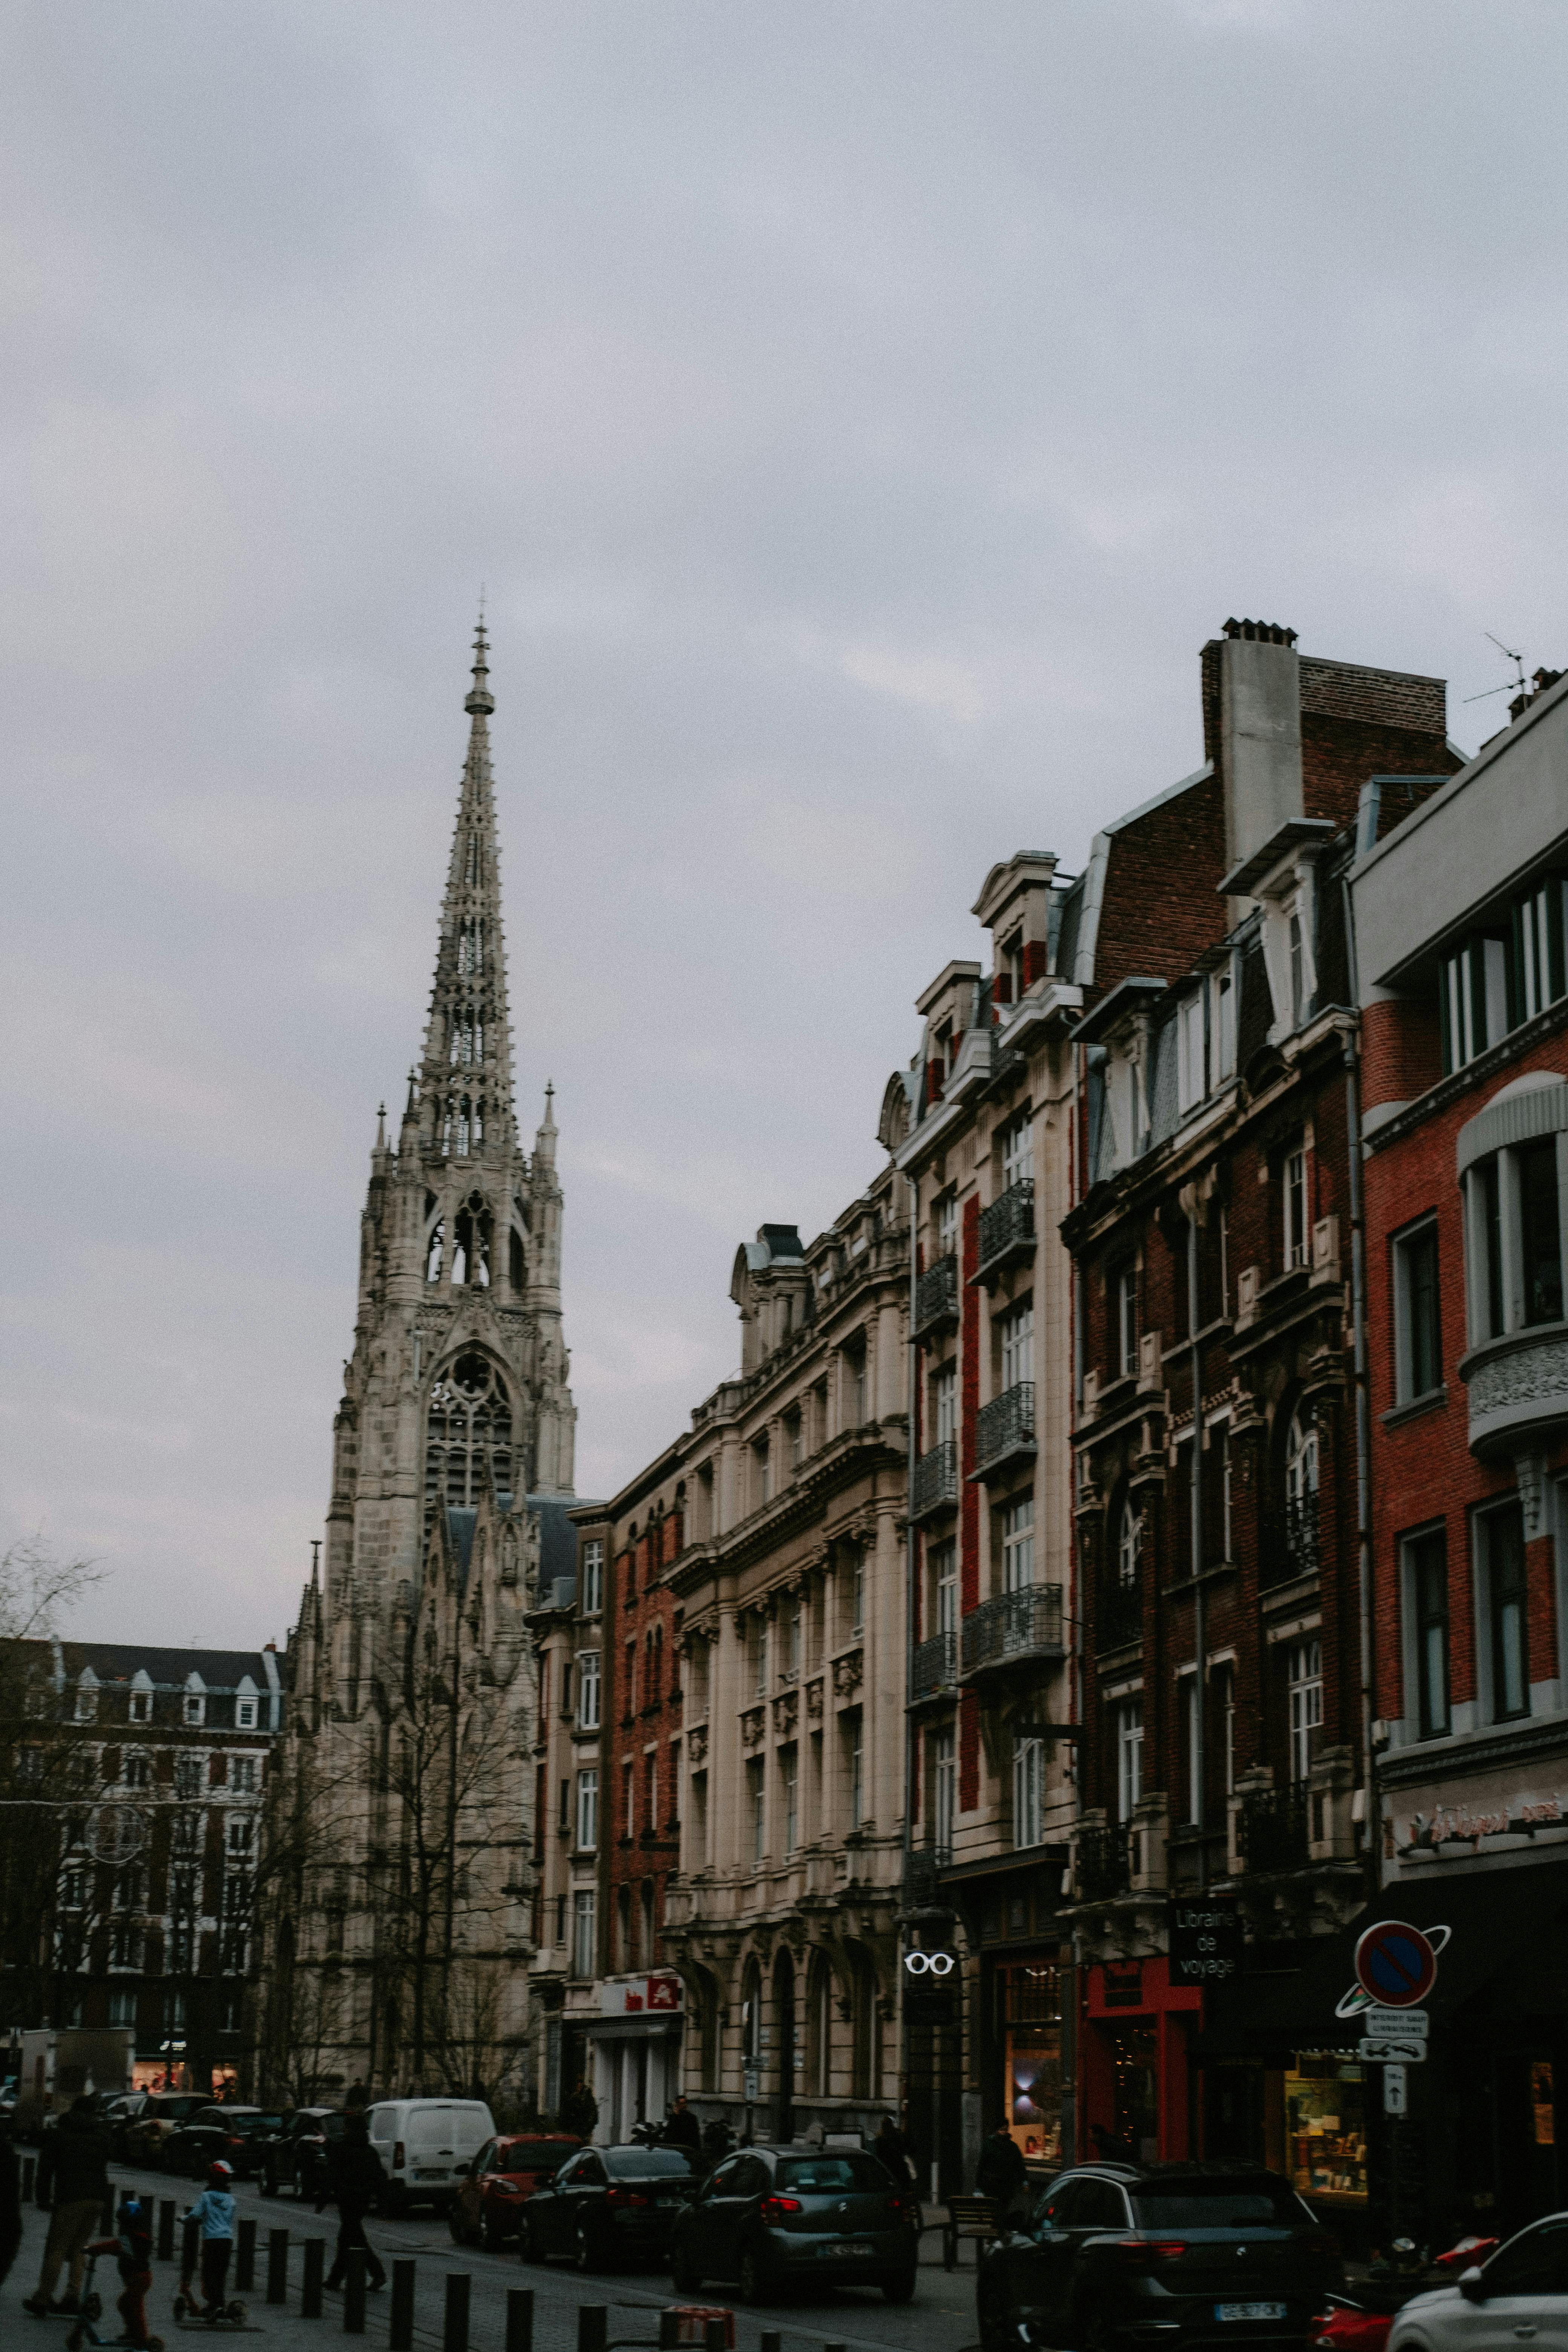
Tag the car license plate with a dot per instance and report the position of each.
(1249, 2311)
(432, 2172)
(847, 2252)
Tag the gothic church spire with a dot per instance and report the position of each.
(465, 1079)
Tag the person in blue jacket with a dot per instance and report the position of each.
(214, 2208)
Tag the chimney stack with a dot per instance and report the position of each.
(1258, 732)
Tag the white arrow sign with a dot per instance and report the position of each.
(1388, 2052)
(1402, 2022)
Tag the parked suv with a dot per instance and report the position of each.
(1115, 2255)
(768, 2216)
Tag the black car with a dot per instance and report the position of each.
(296, 2157)
(609, 2206)
(235, 2135)
(769, 2217)
(1116, 2255)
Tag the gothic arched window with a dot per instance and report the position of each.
(471, 1244)
(1301, 1492)
(469, 1435)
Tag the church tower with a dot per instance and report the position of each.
(401, 1823)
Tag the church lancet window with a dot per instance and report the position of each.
(471, 1244)
(470, 949)
(465, 1047)
(434, 1241)
(514, 1260)
(469, 1435)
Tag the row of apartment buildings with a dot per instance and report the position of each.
(1149, 1492)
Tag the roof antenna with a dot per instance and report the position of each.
(1518, 684)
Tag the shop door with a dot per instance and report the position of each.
(1135, 2126)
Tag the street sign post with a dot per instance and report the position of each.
(1396, 2090)
(1402, 2021)
(1391, 2050)
(1395, 1964)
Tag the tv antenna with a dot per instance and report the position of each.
(1518, 684)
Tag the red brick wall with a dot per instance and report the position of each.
(1400, 1052)
(632, 1860)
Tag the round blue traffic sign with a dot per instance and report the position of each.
(1395, 1964)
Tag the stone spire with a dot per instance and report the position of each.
(465, 1078)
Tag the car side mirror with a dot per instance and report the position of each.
(1473, 2285)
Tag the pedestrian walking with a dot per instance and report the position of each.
(73, 2190)
(10, 2203)
(891, 2147)
(683, 2128)
(213, 2210)
(1001, 2172)
(354, 2181)
(580, 2111)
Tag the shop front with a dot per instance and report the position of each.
(635, 2042)
(1019, 2041)
(1136, 2029)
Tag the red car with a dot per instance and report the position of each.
(488, 2208)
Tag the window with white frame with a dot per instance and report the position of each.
(1222, 1031)
(1129, 1757)
(1514, 1200)
(137, 1770)
(1538, 967)
(943, 1791)
(244, 1714)
(593, 1578)
(789, 1796)
(588, 1690)
(943, 1563)
(196, 1706)
(944, 1405)
(1019, 1544)
(757, 1807)
(1223, 1681)
(239, 1839)
(1016, 1149)
(946, 1220)
(1220, 1474)
(1304, 1692)
(1029, 1791)
(1124, 1321)
(141, 1707)
(1015, 1334)
(87, 1697)
(587, 1812)
(1499, 1548)
(585, 1932)
(854, 1767)
(1293, 1191)
(1417, 1312)
(1192, 1058)
(1426, 1608)
(244, 1772)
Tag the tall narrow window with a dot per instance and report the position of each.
(1418, 1335)
(1298, 971)
(587, 1812)
(857, 1591)
(1017, 1149)
(1192, 1074)
(1129, 1757)
(762, 1455)
(1019, 1544)
(757, 1804)
(1190, 1744)
(588, 1691)
(1301, 1493)
(1225, 1026)
(790, 1664)
(1295, 1208)
(946, 1224)
(943, 1791)
(789, 1796)
(467, 1441)
(1503, 1537)
(1016, 1352)
(1426, 1570)
(945, 1588)
(1305, 1693)
(1029, 1791)
(584, 1933)
(854, 1774)
(1488, 1210)
(1540, 1231)
(593, 1578)
(944, 1405)
(1224, 1683)
(1124, 1293)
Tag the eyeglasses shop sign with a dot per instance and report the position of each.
(1204, 1939)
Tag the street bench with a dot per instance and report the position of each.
(967, 2217)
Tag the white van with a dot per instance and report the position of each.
(425, 2145)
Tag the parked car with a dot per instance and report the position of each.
(488, 2208)
(164, 2111)
(1115, 2254)
(296, 2156)
(1519, 2294)
(770, 2217)
(609, 2206)
(235, 2134)
(426, 2146)
(119, 2113)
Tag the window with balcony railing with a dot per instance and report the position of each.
(1007, 1227)
(1271, 1828)
(936, 1478)
(936, 1295)
(1005, 1425)
(933, 1668)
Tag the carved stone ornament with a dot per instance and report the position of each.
(786, 1711)
(697, 1743)
(813, 1697)
(848, 1673)
(753, 1725)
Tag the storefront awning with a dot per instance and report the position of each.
(630, 2029)
(1492, 1913)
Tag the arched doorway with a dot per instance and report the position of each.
(783, 2013)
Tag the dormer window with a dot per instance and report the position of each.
(87, 1698)
(244, 1714)
(141, 1704)
(194, 1709)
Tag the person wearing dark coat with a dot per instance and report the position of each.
(73, 2190)
(354, 2181)
(580, 2111)
(1001, 2172)
(891, 2149)
(683, 2128)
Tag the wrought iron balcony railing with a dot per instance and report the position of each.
(1104, 1863)
(1014, 1627)
(1005, 1426)
(1293, 1548)
(1007, 1227)
(936, 1296)
(935, 1479)
(1121, 1611)
(935, 1666)
(1272, 1826)
(923, 1866)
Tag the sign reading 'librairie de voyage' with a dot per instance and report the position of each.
(1205, 1935)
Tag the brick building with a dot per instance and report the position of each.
(1459, 922)
(565, 1626)
(1217, 1499)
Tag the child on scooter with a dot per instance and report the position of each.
(213, 2210)
(134, 2245)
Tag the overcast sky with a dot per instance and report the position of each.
(860, 415)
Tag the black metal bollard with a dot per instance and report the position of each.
(772, 2339)
(520, 2319)
(245, 2258)
(455, 2336)
(277, 2265)
(166, 2209)
(400, 2327)
(593, 2332)
(353, 2293)
(310, 2289)
(715, 2333)
(191, 2256)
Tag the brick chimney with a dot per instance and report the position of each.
(1252, 727)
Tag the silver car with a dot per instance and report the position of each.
(1519, 2298)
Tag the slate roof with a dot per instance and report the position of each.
(168, 1669)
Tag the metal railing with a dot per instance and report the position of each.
(1008, 1225)
(1104, 1863)
(1005, 1425)
(1023, 1624)
(934, 1668)
(1291, 1548)
(1271, 1827)
(936, 1479)
(936, 1295)
(923, 1866)
(1121, 1611)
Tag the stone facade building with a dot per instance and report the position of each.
(403, 1954)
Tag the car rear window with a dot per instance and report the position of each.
(828, 2172)
(1243, 2203)
(645, 2163)
(532, 2156)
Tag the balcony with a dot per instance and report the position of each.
(1294, 1550)
(1517, 1390)
(1016, 1628)
(1271, 1828)
(936, 1297)
(923, 1866)
(935, 1484)
(934, 1668)
(1007, 1229)
(1005, 1429)
(1104, 1864)
(1121, 1613)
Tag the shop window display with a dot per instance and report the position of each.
(1032, 2058)
(1325, 2128)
